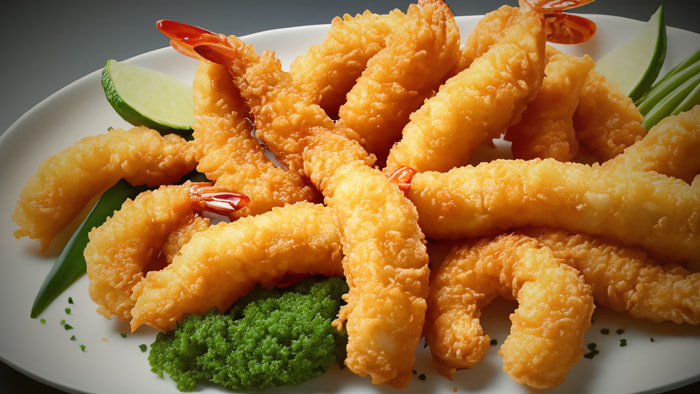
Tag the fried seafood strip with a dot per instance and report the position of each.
(397, 80)
(670, 148)
(66, 182)
(554, 309)
(475, 105)
(327, 71)
(221, 264)
(606, 120)
(659, 213)
(229, 154)
(546, 128)
(626, 278)
(128, 245)
(486, 33)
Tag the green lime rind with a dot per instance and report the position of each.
(658, 57)
(145, 97)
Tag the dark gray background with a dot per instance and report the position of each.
(47, 45)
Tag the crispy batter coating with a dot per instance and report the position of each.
(328, 70)
(487, 32)
(659, 213)
(554, 309)
(475, 105)
(626, 278)
(397, 80)
(128, 245)
(230, 154)
(546, 128)
(606, 120)
(221, 264)
(65, 182)
(670, 148)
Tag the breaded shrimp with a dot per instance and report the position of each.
(328, 70)
(670, 148)
(606, 120)
(221, 264)
(546, 127)
(659, 213)
(627, 279)
(397, 80)
(485, 34)
(229, 154)
(129, 243)
(65, 182)
(475, 105)
(554, 309)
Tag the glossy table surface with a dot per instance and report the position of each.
(50, 44)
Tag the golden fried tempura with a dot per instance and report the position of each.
(397, 80)
(229, 154)
(659, 213)
(606, 120)
(128, 245)
(386, 267)
(488, 31)
(546, 128)
(475, 105)
(327, 71)
(67, 181)
(627, 279)
(670, 148)
(554, 309)
(223, 263)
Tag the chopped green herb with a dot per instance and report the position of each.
(70, 300)
(82, 347)
(67, 311)
(421, 376)
(43, 321)
(72, 338)
(619, 331)
(623, 342)
(143, 347)
(63, 322)
(415, 372)
(123, 334)
(68, 327)
(604, 331)
(593, 350)
(494, 342)
(652, 339)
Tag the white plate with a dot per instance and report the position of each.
(114, 364)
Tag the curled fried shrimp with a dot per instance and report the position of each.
(328, 70)
(230, 154)
(402, 75)
(546, 127)
(606, 120)
(221, 264)
(669, 148)
(554, 309)
(627, 279)
(65, 182)
(659, 213)
(475, 105)
(486, 33)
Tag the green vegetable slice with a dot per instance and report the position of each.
(70, 264)
(671, 102)
(148, 98)
(636, 64)
(665, 87)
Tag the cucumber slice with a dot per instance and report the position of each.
(148, 98)
(636, 64)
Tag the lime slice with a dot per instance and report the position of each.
(144, 97)
(636, 63)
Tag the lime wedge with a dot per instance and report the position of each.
(635, 64)
(144, 97)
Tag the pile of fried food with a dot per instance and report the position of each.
(375, 129)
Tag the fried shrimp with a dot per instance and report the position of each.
(486, 33)
(669, 148)
(654, 211)
(229, 154)
(327, 71)
(627, 279)
(221, 264)
(554, 309)
(606, 120)
(397, 80)
(65, 182)
(128, 244)
(546, 127)
(475, 105)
